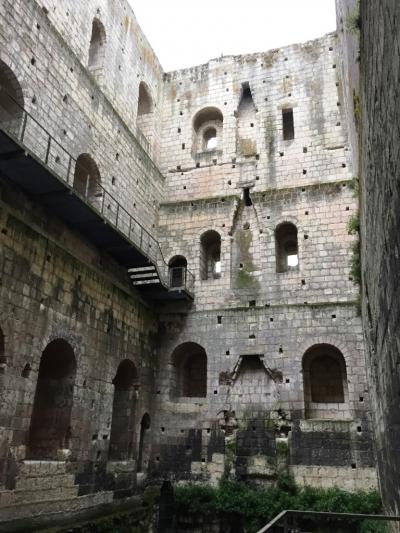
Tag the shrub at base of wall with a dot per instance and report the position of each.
(236, 507)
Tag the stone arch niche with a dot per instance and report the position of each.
(144, 443)
(123, 412)
(97, 48)
(50, 428)
(87, 179)
(11, 100)
(210, 255)
(145, 112)
(286, 247)
(246, 123)
(189, 378)
(325, 383)
(207, 131)
(177, 271)
(253, 384)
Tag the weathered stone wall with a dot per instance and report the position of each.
(380, 52)
(54, 286)
(374, 117)
(252, 321)
(251, 309)
(347, 12)
(58, 88)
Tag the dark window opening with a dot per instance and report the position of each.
(144, 443)
(177, 272)
(11, 100)
(190, 371)
(286, 247)
(87, 178)
(210, 255)
(97, 46)
(325, 381)
(247, 198)
(50, 428)
(207, 130)
(123, 412)
(145, 114)
(210, 141)
(288, 124)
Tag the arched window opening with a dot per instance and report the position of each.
(87, 178)
(3, 358)
(210, 139)
(123, 412)
(190, 371)
(144, 443)
(97, 47)
(207, 128)
(11, 100)
(246, 123)
(210, 255)
(145, 112)
(325, 382)
(177, 272)
(287, 255)
(50, 428)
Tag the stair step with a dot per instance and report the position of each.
(150, 268)
(148, 275)
(70, 505)
(45, 483)
(146, 282)
(42, 468)
(17, 497)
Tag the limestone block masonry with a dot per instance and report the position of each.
(373, 115)
(241, 170)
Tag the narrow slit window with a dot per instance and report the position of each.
(288, 124)
(247, 198)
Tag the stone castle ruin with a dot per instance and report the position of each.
(177, 297)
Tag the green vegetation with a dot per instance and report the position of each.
(353, 21)
(357, 107)
(355, 263)
(355, 185)
(353, 225)
(234, 502)
(353, 228)
(244, 280)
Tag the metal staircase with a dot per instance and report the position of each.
(33, 160)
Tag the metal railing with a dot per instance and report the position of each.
(34, 138)
(288, 521)
(181, 278)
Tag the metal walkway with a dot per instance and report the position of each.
(33, 160)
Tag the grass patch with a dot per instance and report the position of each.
(353, 21)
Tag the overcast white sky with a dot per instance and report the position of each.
(186, 33)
